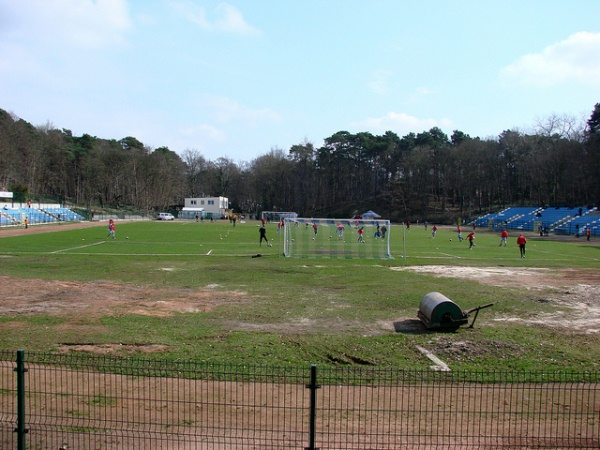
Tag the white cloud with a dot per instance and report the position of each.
(54, 51)
(225, 110)
(205, 131)
(380, 81)
(402, 123)
(227, 18)
(419, 94)
(576, 59)
(77, 23)
(424, 90)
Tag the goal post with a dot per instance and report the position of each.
(336, 238)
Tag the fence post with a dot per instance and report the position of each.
(313, 386)
(21, 430)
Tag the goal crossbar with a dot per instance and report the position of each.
(336, 238)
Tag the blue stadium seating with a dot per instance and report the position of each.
(65, 214)
(508, 218)
(561, 220)
(16, 216)
(579, 225)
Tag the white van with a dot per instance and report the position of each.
(165, 216)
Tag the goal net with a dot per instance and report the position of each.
(336, 238)
(276, 216)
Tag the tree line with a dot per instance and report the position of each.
(420, 175)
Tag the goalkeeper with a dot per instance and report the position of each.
(263, 234)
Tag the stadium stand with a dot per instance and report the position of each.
(578, 225)
(16, 216)
(64, 213)
(509, 218)
(559, 220)
(12, 215)
(4, 221)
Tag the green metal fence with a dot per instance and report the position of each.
(53, 401)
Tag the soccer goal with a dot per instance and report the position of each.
(276, 216)
(336, 238)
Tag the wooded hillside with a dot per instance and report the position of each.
(426, 175)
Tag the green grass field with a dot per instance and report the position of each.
(215, 302)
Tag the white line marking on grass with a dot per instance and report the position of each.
(451, 256)
(440, 365)
(431, 257)
(233, 255)
(75, 248)
(563, 255)
(483, 258)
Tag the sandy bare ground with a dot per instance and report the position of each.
(576, 290)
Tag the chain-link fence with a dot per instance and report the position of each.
(50, 401)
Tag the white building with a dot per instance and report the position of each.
(205, 207)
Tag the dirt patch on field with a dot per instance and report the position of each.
(98, 298)
(577, 292)
(533, 278)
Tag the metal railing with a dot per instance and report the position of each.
(54, 401)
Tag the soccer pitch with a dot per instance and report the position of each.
(209, 292)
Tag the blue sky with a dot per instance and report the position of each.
(237, 79)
